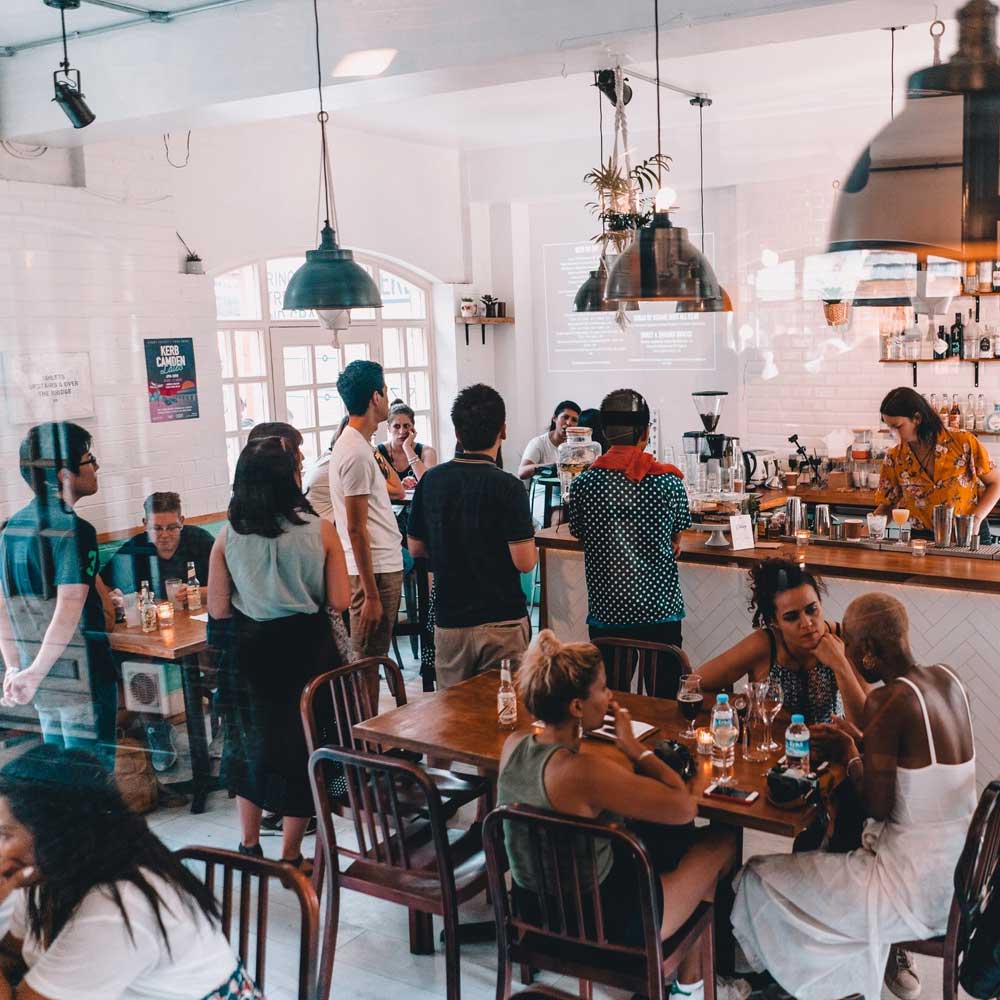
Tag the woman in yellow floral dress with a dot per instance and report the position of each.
(933, 465)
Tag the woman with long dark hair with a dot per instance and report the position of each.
(101, 908)
(276, 569)
(408, 457)
(932, 465)
(793, 643)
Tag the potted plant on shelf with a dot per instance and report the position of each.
(468, 307)
(490, 303)
(835, 309)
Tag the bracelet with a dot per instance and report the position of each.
(643, 756)
(851, 761)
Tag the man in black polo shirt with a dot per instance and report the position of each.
(473, 521)
(161, 552)
(54, 611)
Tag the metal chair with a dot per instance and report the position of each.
(652, 668)
(976, 875)
(429, 871)
(569, 934)
(262, 871)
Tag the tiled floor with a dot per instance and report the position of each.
(372, 958)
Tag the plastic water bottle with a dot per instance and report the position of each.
(797, 745)
(725, 732)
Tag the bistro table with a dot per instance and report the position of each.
(181, 643)
(459, 724)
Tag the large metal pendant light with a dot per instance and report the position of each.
(330, 278)
(661, 264)
(928, 182)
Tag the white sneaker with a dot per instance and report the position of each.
(725, 989)
(901, 975)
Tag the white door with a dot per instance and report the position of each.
(304, 370)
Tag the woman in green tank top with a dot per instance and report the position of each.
(564, 686)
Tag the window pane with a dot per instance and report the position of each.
(237, 295)
(392, 348)
(248, 346)
(422, 423)
(253, 404)
(355, 352)
(296, 361)
(416, 346)
(232, 454)
(327, 364)
(363, 314)
(400, 299)
(331, 407)
(420, 392)
(396, 383)
(279, 272)
(225, 356)
(309, 451)
(300, 408)
(229, 407)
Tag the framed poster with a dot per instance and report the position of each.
(170, 379)
(42, 387)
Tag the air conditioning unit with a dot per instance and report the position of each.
(154, 688)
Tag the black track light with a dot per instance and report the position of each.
(66, 81)
(604, 81)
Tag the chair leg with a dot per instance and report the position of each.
(586, 990)
(708, 961)
(950, 986)
(452, 962)
(421, 933)
(527, 975)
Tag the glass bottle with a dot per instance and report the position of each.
(933, 402)
(147, 609)
(969, 416)
(941, 344)
(193, 589)
(955, 414)
(996, 276)
(506, 699)
(993, 420)
(957, 332)
(980, 412)
(944, 411)
(575, 455)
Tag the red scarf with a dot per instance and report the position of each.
(634, 463)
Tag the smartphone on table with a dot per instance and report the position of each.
(740, 796)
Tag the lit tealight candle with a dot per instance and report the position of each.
(706, 742)
(802, 537)
(920, 546)
(165, 614)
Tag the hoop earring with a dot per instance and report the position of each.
(869, 662)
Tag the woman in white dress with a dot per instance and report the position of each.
(823, 924)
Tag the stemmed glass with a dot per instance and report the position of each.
(752, 749)
(689, 700)
(771, 700)
(740, 700)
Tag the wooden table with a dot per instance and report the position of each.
(460, 724)
(181, 644)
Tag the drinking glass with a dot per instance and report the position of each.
(755, 719)
(876, 527)
(725, 739)
(900, 515)
(689, 700)
(130, 605)
(771, 700)
(740, 701)
(171, 587)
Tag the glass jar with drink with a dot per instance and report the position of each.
(689, 701)
(576, 454)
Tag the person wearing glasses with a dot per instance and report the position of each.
(55, 612)
(160, 552)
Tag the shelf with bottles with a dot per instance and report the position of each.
(973, 413)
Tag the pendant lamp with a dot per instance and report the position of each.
(330, 278)
(927, 183)
(661, 264)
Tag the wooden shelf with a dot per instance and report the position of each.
(918, 361)
(482, 322)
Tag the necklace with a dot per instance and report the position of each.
(927, 462)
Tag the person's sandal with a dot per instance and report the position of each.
(251, 852)
(304, 866)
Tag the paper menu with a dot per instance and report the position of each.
(741, 527)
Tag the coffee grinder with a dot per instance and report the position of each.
(711, 445)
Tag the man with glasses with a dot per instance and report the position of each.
(54, 610)
(161, 552)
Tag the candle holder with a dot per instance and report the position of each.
(165, 614)
(705, 741)
(802, 538)
(919, 547)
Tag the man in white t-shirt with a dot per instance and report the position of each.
(362, 511)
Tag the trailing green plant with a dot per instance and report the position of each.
(618, 193)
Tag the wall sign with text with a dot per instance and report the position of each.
(171, 380)
(42, 387)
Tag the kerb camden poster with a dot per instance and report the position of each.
(170, 379)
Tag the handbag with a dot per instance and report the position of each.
(135, 777)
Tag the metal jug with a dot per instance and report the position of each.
(944, 515)
(822, 519)
(964, 530)
(795, 515)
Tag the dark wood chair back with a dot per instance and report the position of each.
(652, 668)
(251, 911)
(567, 930)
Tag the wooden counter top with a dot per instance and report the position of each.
(952, 572)
(771, 499)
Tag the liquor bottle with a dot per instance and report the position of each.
(193, 589)
(147, 609)
(996, 343)
(996, 276)
(969, 416)
(933, 402)
(944, 411)
(955, 414)
(941, 344)
(957, 334)
(993, 420)
(980, 412)
(506, 700)
(971, 337)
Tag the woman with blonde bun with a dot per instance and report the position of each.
(564, 686)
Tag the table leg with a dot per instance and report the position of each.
(547, 513)
(194, 710)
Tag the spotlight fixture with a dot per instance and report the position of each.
(605, 83)
(66, 81)
(330, 278)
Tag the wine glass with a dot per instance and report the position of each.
(689, 700)
(725, 738)
(900, 515)
(751, 746)
(740, 701)
(771, 701)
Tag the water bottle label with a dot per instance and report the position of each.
(796, 748)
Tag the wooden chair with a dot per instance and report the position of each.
(569, 934)
(654, 668)
(976, 874)
(428, 875)
(262, 871)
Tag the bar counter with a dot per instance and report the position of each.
(953, 604)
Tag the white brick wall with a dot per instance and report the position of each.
(96, 269)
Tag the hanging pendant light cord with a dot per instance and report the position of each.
(600, 128)
(62, 15)
(659, 150)
(322, 117)
(892, 74)
(701, 167)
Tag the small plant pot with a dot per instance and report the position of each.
(501, 310)
(194, 265)
(835, 312)
(468, 310)
(491, 310)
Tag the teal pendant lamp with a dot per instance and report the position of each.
(330, 278)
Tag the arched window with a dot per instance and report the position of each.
(279, 365)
